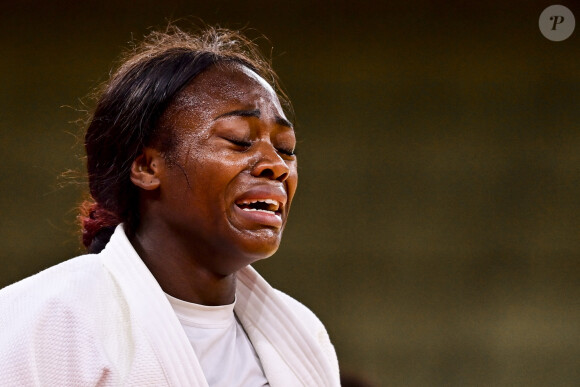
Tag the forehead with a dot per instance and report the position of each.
(226, 83)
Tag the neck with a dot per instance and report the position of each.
(180, 273)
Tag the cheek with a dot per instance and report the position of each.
(210, 177)
(216, 169)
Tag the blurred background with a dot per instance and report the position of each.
(436, 229)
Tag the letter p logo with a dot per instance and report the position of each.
(557, 23)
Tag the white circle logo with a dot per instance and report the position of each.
(557, 23)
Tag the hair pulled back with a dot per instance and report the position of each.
(129, 107)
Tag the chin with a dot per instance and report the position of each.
(259, 243)
(248, 248)
(261, 252)
(256, 249)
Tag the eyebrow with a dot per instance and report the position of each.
(254, 113)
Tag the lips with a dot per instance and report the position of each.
(262, 205)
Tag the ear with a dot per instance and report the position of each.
(146, 168)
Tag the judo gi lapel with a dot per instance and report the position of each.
(286, 348)
(152, 312)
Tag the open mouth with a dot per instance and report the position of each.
(267, 206)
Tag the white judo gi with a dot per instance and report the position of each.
(103, 320)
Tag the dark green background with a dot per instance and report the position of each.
(436, 229)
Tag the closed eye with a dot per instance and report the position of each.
(240, 143)
(286, 152)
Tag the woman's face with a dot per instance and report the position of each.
(227, 186)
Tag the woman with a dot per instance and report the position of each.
(192, 172)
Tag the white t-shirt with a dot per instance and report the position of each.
(223, 349)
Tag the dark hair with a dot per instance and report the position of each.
(129, 107)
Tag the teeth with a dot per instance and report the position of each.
(272, 202)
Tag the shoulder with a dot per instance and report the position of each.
(66, 279)
(69, 288)
(50, 325)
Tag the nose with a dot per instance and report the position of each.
(270, 165)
